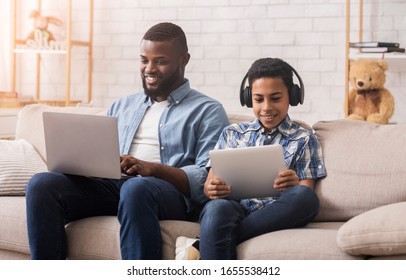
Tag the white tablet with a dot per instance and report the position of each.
(250, 171)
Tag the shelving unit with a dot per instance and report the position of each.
(66, 52)
(394, 60)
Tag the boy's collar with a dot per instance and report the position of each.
(284, 127)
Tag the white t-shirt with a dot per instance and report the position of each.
(145, 145)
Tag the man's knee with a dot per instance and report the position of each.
(41, 183)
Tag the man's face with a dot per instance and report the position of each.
(162, 68)
(270, 101)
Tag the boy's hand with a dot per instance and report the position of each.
(286, 178)
(216, 188)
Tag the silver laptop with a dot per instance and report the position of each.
(250, 171)
(81, 144)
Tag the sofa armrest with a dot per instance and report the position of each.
(380, 231)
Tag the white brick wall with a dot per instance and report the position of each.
(225, 37)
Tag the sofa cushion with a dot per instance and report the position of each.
(95, 238)
(98, 238)
(18, 162)
(378, 232)
(317, 241)
(30, 124)
(13, 226)
(365, 165)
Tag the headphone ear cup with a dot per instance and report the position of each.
(247, 97)
(295, 95)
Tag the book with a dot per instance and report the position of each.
(373, 44)
(382, 50)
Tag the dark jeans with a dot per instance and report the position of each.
(54, 199)
(224, 223)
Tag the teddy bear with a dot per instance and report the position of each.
(40, 24)
(368, 99)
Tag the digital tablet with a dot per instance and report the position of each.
(250, 171)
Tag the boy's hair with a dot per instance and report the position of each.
(272, 68)
(166, 31)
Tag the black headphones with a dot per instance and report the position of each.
(296, 93)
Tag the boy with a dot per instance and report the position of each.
(226, 223)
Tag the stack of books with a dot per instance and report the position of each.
(377, 47)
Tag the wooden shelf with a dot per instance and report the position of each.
(387, 56)
(19, 47)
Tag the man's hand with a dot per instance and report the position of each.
(133, 166)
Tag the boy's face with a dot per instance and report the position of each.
(270, 101)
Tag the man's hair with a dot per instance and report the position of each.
(271, 68)
(166, 31)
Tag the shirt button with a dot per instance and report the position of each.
(162, 148)
(161, 125)
(319, 167)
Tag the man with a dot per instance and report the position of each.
(165, 135)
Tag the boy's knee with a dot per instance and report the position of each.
(306, 194)
(220, 208)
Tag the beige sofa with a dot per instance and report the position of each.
(363, 199)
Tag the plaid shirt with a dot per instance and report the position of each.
(302, 150)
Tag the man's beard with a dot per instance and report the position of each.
(163, 89)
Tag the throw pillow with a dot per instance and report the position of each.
(18, 162)
(377, 232)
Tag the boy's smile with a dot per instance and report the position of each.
(270, 101)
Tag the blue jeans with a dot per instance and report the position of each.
(54, 199)
(224, 223)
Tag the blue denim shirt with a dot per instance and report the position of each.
(188, 129)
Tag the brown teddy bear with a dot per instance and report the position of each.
(368, 99)
(41, 24)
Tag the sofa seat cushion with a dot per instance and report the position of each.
(317, 241)
(13, 226)
(94, 238)
(98, 238)
(365, 165)
(378, 232)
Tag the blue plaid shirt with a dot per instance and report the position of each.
(302, 150)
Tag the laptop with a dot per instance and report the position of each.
(80, 144)
(250, 171)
